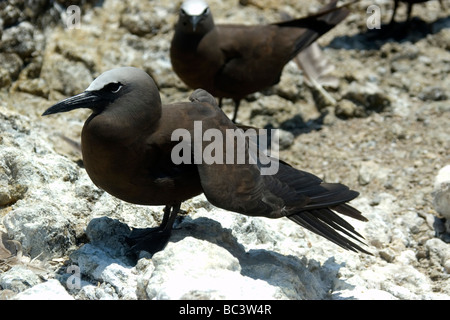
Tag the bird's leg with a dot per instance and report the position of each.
(139, 233)
(408, 16)
(168, 217)
(237, 102)
(220, 102)
(154, 239)
(395, 10)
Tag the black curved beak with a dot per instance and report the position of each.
(194, 21)
(86, 99)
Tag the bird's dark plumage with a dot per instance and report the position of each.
(127, 151)
(232, 61)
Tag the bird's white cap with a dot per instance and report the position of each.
(194, 7)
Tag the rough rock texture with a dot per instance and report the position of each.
(441, 202)
(387, 136)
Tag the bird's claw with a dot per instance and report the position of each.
(151, 240)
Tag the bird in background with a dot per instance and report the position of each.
(409, 10)
(127, 151)
(234, 60)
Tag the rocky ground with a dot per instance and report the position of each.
(387, 136)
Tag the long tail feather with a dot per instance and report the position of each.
(326, 223)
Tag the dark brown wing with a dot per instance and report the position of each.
(299, 195)
(254, 56)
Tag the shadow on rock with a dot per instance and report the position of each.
(104, 259)
(106, 246)
(297, 277)
(374, 39)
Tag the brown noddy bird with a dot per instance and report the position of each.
(127, 150)
(232, 61)
(409, 10)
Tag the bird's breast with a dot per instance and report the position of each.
(123, 167)
(197, 60)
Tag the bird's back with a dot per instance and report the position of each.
(233, 61)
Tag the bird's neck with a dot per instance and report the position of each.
(201, 30)
(120, 126)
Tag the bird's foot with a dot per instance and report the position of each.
(151, 240)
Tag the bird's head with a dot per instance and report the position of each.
(195, 17)
(117, 90)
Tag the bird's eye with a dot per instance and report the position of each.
(113, 87)
(182, 12)
(205, 12)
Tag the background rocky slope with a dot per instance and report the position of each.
(387, 136)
